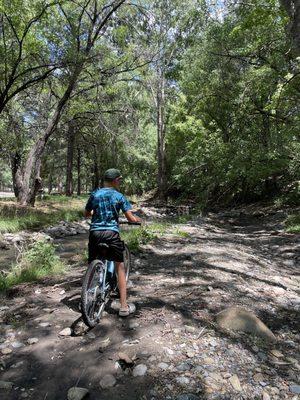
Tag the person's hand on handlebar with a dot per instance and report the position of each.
(132, 218)
(88, 214)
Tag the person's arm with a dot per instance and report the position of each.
(126, 207)
(88, 212)
(131, 217)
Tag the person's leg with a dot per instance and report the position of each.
(122, 283)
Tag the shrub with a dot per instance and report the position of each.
(136, 237)
(38, 261)
(292, 223)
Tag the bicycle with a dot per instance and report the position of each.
(99, 282)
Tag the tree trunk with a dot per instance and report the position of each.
(161, 145)
(31, 182)
(78, 171)
(292, 7)
(16, 173)
(96, 172)
(50, 183)
(60, 185)
(50, 177)
(37, 185)
(70, 157)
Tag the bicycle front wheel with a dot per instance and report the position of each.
(92, 295)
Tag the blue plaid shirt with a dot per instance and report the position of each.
(106, 204)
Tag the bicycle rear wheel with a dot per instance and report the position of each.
(92, 296)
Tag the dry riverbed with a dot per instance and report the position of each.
(172, 348)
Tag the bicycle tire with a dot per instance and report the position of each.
(88, 312)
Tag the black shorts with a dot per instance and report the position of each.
(112, 238)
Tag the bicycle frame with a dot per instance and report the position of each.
(109, 266)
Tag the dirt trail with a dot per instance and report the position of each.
(179, 282)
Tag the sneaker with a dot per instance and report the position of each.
(130, 309)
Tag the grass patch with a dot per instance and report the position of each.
(135, 237)
(37, 262)
(59, 199)
(183, 219)
(292, 224)
(180, 233)
(14, 218)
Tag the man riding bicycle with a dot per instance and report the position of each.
(104, 206)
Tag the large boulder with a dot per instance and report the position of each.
(240, 319)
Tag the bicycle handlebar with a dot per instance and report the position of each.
(129, 223)
(122, 223)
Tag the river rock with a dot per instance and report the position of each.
(235, 383)
(32, 340)
(187, 396)
(80, 329)
(182, 380)
(65, 332)
(4, 244)
(265, 396)
(139, 370)
(77, 393)
(239, 319)
(115, 305)
(208, 361)
(6, 385)
(184, 366)
(133, 325)
(125, 357)
(17, 365)
(17, 345)
(190, 354)
(6, 350)
(258, 377)
(189, 329)
(107, 381)
(163, 366)
(44, 324)
(295, 389)
(276, 353)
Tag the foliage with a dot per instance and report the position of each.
(292, 223)
(234, 131)
(37, 262)
(228, 86)
(136, 237)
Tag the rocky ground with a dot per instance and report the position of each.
(173, 347)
